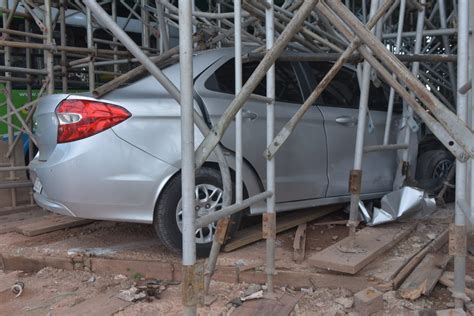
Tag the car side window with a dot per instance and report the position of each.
(343, 91)
(287, 88)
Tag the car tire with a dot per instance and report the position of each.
(432, 169)
(166, 213)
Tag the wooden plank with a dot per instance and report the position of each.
(286, 222)
(435, 245)
(385, 268)
(299, 244)
(10, 223)
(281, 306)
(22, 215)
(299, 279)
(17, 209)
(51, 223)
(103, 304)
(425, 276)
(368, 244)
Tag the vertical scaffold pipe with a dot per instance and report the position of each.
(270, 216)
(49, 41)
(187, 154)
(461, 170)
(355, 179)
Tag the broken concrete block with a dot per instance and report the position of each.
(368, 301)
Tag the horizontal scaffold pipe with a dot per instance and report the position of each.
(355, 58)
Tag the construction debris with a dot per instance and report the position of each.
(131, 295)
(17, 288)
(424, 277)
(407, 202)
(368, 301)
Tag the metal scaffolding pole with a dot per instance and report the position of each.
(286, 131)
(62, 21)
(223, 224)
(269, 218)
(391, 98)
(211, 140)
(49, 41)
(460, 134)
(145, 24)
(409, 155)
(187, 156)
(8, 90)
(355, 178)
(458, 230)
(114, 39)
(443, 24)
(90, 45)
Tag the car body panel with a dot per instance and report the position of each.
(45, 124)
(101, 177)
(120, 173)
(297, 177)
(378, 167)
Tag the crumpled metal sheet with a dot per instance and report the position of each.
(408, 202)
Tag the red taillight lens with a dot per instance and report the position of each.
(80, 119)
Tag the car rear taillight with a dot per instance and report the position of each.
(80, 119)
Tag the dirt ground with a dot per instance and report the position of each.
(55, 292)
(60, 292)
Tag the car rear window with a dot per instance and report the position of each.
(287, 88)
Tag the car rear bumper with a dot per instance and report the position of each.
(52, 206)
(101, 177)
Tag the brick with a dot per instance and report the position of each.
(368, 301)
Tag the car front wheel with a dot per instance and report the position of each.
(168, 218)
(432, 170)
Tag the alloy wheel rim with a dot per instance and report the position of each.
(208, 199)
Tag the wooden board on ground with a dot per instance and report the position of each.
(368, 244)
(281, 306)
(104, 304)
(10, 223)
(425, 276)
(51, 223)
(17, 209)
(385, 268)
(254, 233)
(299, 243)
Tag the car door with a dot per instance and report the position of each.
(340, 102)
(301, 161)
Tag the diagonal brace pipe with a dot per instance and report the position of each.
(217, 132)
(286, 131)
(438, 130)
(458, 129)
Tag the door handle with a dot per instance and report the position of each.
(249, 115)
(346, 120)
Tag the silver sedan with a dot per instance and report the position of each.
(118, 158)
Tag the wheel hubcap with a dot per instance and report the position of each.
(442, 168)
(208, 199)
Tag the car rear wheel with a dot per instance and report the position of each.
(168, 216)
